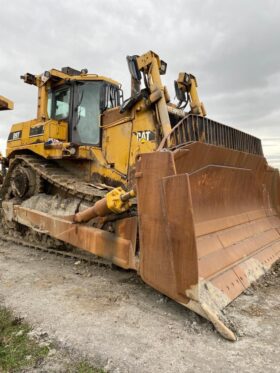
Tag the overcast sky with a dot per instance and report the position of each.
(233, 48)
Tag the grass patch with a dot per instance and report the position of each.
(17, 350)
(84, 367)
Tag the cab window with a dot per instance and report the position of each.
(88, 113)
(58, 104)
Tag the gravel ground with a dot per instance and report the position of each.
(110, 317)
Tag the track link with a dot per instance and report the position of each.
(88, 258)
(48, 172)
(64, 181)
(57, 176)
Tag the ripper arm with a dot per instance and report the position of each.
(186, 92)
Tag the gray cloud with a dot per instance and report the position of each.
(231, 46)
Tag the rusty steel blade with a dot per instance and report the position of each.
(207, 231)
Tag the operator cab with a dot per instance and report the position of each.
(81, 103)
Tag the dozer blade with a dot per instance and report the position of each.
(207, 231)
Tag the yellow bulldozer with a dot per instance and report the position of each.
(5, 104)
(153, 186)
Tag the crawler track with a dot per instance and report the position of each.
(49, 173)
(57, 176)
(85, 257)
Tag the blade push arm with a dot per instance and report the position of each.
(151, 67)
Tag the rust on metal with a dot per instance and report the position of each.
(197, 128)
(119, 250)
(209, 221)
(98, 209)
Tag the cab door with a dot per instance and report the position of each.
(85, 128)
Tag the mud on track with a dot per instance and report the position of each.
(115, 320)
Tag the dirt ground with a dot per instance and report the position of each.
(110, 317)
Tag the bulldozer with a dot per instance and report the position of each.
(151, 185)
(5, 104)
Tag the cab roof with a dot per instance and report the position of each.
(81, 76)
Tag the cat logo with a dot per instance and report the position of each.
(144, 136)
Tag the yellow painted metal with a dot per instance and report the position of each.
(43, 83)
(82, 77)
(196, 104)
(39, 149)
(144, 121)
(118, 200)
(121, 145)
(100, 166)
(116, 142)
(6, 104)
(123, 137)
(150, 63)
(187, 83)
(49, 129)
(42, 102)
